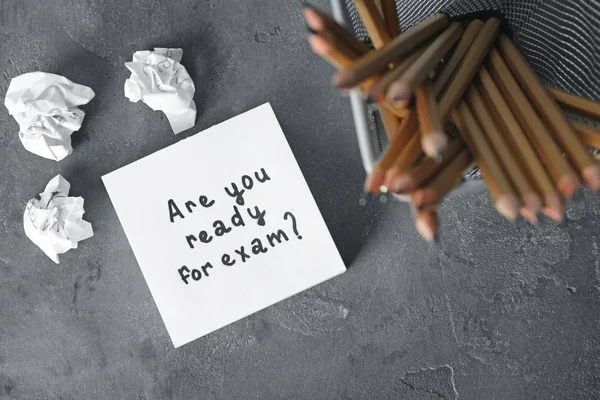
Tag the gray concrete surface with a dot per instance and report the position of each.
(495, 311)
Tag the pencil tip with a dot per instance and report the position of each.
(433, 144)
(400, 183)
(569, 184)
(532, 204)
(340, 80)
(398, 92)
(427, 227)
(591, 175)
(425, 197)
(508, 206)
(555, 208)
(374, 180)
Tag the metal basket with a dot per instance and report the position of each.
(556, 36)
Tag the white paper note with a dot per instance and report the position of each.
(54, 221)
(45, 107)
(159, 80)
(232, 194)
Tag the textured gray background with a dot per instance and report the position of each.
(495, 311)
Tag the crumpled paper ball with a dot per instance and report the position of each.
(45, 107)
(53, 220)
(159, 80)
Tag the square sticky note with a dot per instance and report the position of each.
(223, 224)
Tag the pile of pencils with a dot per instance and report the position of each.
(453, 93)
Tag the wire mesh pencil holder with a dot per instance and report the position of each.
(556, 35)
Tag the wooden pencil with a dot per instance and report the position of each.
(467, 38)
(346, 46)
(376, 177)
(561, 171)
(340, 55)
(379, 88)
(404, 160)
(531, 202)
(529, 161)
(391, 123)
(324, 44)
(468, 67)
(372, 19)
(419, 70)
(466, 70)
(450, 97)
(547, 107)
(380, 174)
(379, 8)
(426, 223)
(319, 20)
(443, 182)
(590, 135)
(332, 54)
(577, 104)
(421, 173)
(506, 201)
(377, 61)
(433, 137)
(390, 16)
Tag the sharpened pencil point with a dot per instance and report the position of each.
(398, 91)
(569, 184)
(532, 204)
(554, 207)
(374, 181)
(424, 197)
(427, 226)
(508, 206)
(341, 80)
(367, 185)
(591, 175)
(528, 215)
(400, 183)
(311, 30)
(313, 19)
(390, 175)
(433, 144)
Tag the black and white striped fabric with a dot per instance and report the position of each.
(560, 38)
